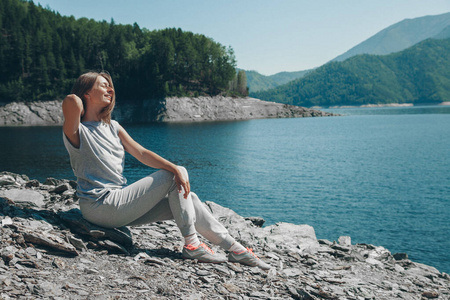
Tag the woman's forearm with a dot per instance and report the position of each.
(155, 161)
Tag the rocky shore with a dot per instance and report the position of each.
(49, 251)
(221, 108)
(218, 108)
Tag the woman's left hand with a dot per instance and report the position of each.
(182, 184)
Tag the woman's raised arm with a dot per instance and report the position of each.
(73, 110)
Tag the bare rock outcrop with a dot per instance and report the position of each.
(31, 113)
(220, 108)
(217, 108)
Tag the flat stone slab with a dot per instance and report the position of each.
(22, 196)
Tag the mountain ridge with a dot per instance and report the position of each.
(419, 74)
(259, 82)
(389, 40)
(400, 36)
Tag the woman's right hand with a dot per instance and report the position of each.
(182, 181)
(73, 110)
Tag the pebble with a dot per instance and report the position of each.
(50, 251)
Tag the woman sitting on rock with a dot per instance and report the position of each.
(97, 145)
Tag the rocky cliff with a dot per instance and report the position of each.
(49, 251)
(177, 110)
(31, 113)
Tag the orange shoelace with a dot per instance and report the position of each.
(250, 250)
(203, 245)
(206, 248)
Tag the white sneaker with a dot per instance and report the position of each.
(248, 258)
(203, 254)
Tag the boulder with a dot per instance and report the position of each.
(345, 241)
(241, 229)
(302, 238)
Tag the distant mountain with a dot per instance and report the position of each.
(258, 82)
(444, 34)
(402, 35)
(419, 74)
(394, 38)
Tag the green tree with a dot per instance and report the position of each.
(242, 83)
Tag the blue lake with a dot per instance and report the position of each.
(379, 175)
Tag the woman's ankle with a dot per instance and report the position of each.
(237, 248)
(192, 240)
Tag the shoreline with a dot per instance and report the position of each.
(445, 103)
(183, 109)
(220, 108)
(217, 108)
(49, 250)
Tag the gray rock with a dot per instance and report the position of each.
(221, 108)
(430, 294)
(32, 113)
(177, 110)
(300, 237)
(77, 243)
(75, 221)
(32, 183)
(340, 247)
(61, 188)
(7, 180)
(400, 256)
(153, 268)
(325, 242)
(257, 221)
(423, 270)
(6, 221)
(345, 241)
(46, 289)
(48, 240)
(52, 181)
(113, 247)
(25, 197)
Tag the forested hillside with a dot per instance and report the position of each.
(42, 53)
(258, 82)
(420, 74)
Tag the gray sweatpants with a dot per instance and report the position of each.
(156, 198)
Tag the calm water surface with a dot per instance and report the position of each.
(379, 175)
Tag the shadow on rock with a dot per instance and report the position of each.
(63, 232)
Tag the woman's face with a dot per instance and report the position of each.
(101, 93)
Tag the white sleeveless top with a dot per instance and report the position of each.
(99, 161)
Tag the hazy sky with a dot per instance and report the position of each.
(267, 36)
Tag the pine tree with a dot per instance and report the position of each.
(242, 83)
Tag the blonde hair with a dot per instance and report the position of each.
(85, 83)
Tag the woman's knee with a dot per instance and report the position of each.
(198, 205)
(195, 197)
(165, 177)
